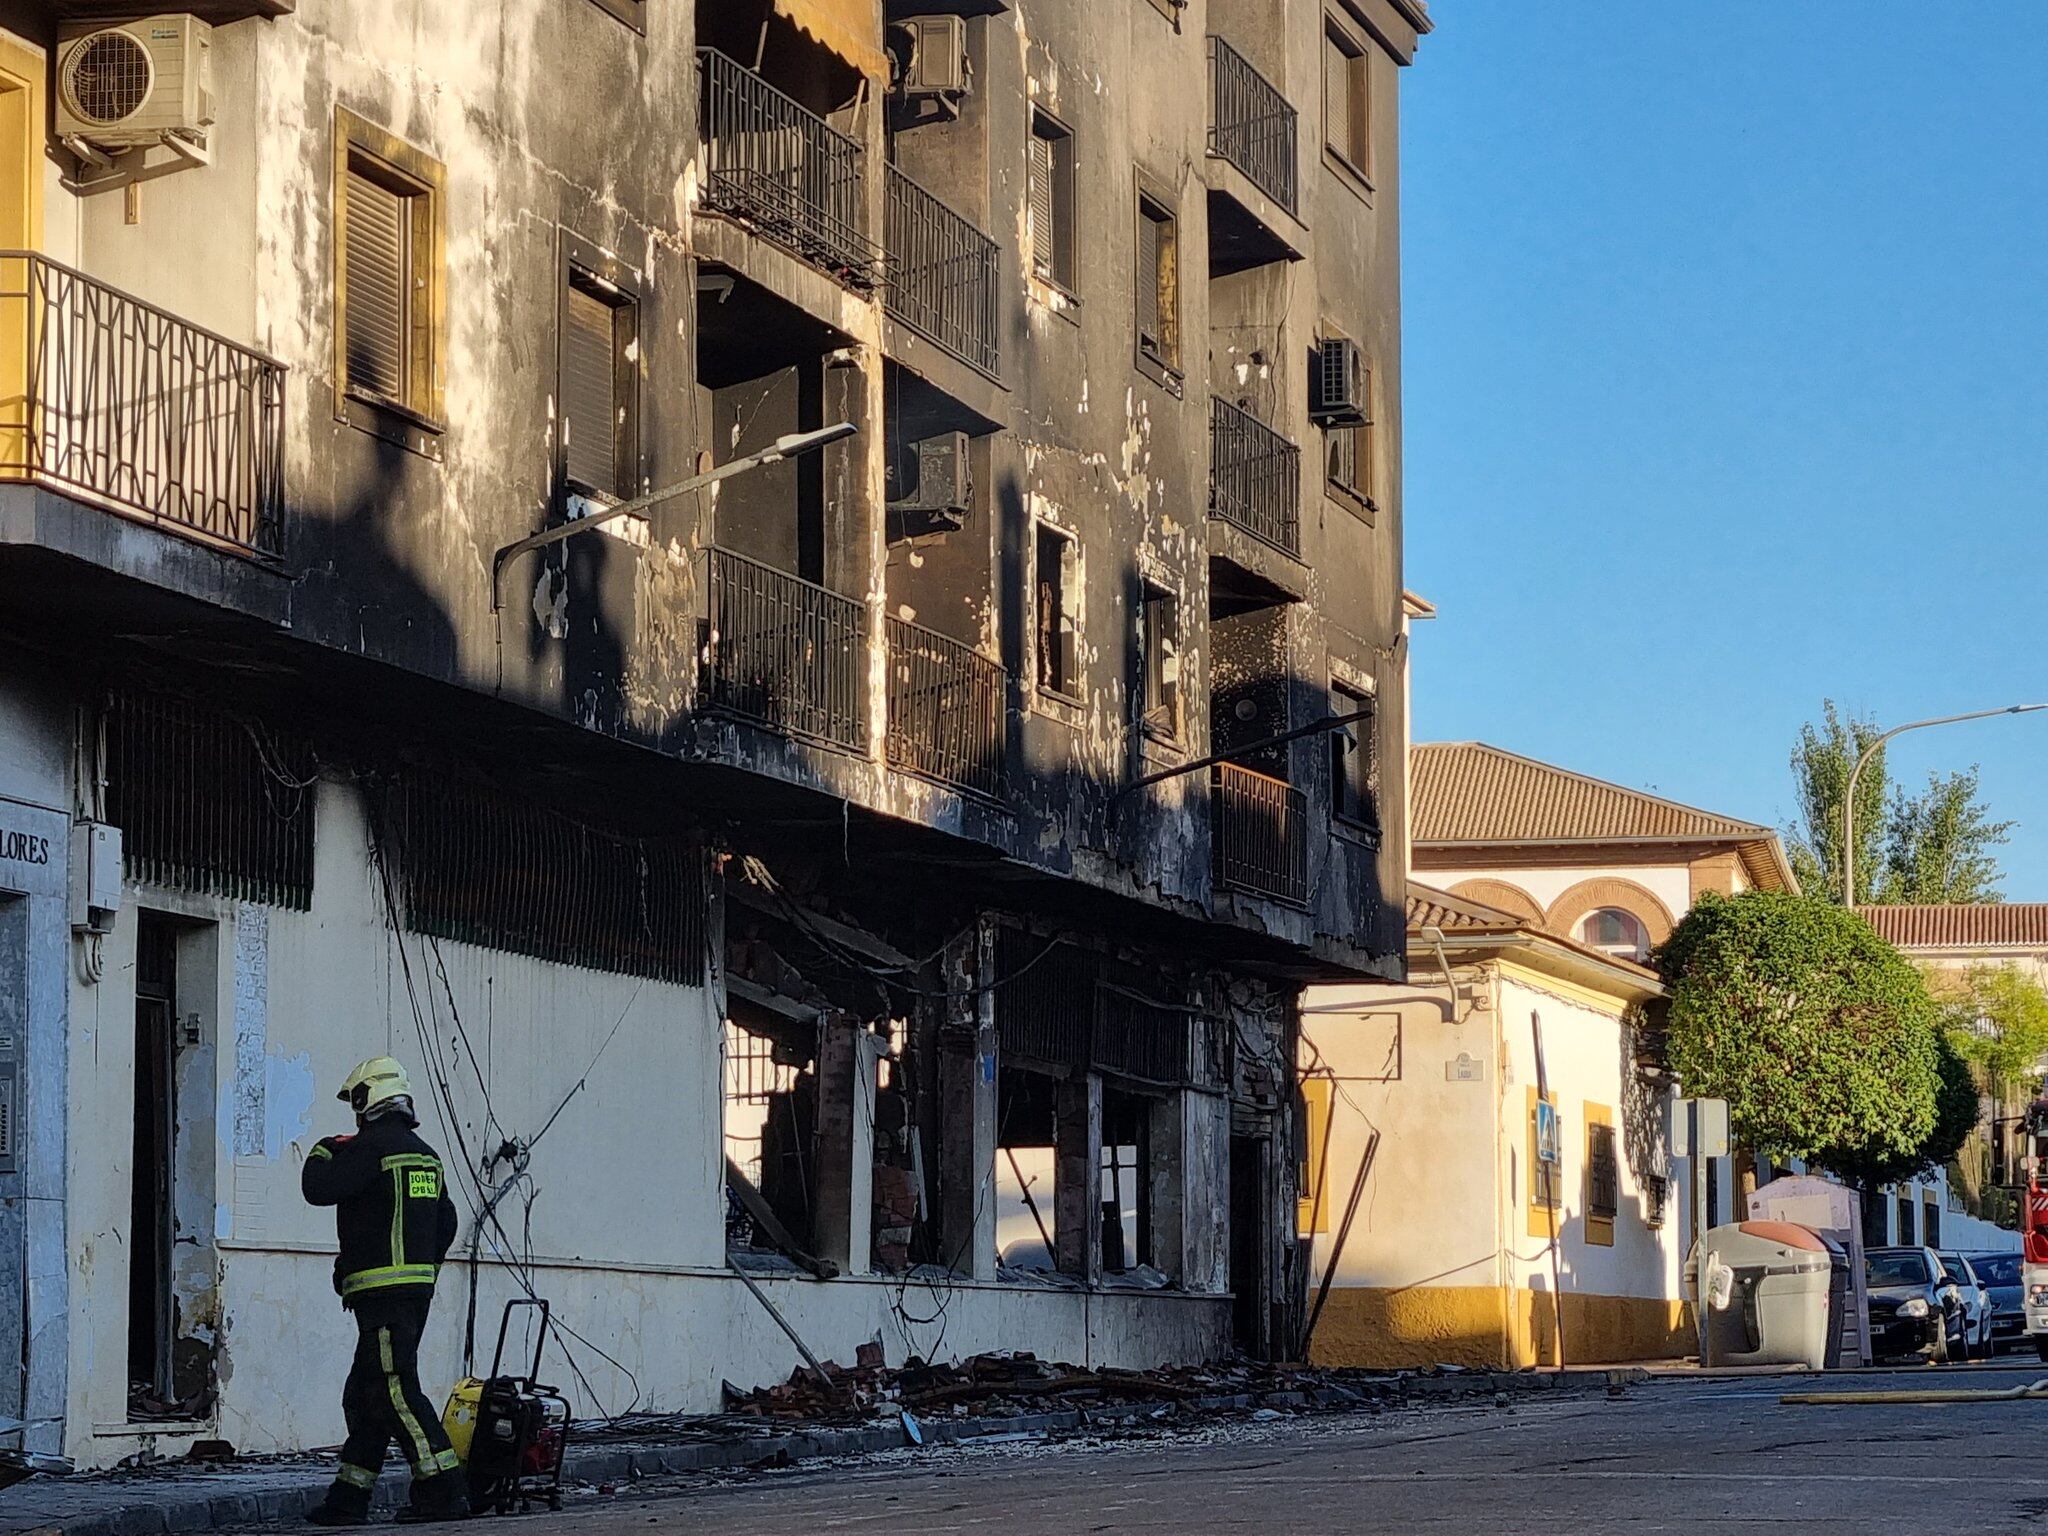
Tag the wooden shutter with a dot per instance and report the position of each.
(1150, 340)
(589, 392)
(378, 275)
(1336, 96)
(1043, 234)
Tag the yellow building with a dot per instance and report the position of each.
(1466, 1243)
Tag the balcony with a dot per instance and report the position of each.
(1257, 828)
(946, 709)
(783, 170)
(939, 274)
(1254, 477)
(1251, 124)
(783, 651)
(118, 403)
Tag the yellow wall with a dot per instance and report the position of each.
(21, 145)
(1491, 1327)
(21, 228)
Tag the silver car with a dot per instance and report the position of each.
(1977, 1309)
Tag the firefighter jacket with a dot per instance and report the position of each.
(392, 1210)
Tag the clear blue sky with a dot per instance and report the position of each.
(1726, 388)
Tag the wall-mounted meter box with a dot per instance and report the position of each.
(95, 875)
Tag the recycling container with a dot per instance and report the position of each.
(1767, 1293)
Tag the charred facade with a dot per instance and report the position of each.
(792, 873)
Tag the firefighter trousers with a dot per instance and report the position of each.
(382, 1400)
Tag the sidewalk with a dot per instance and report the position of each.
(182, 1497)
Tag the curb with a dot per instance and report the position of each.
(157, 1506)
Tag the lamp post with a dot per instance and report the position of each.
(1849, 799)
(788, 446)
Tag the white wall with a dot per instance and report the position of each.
(624, 1200)
(1669, 883)
(1585, 1058)
(1430, 1212)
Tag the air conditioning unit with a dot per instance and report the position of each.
(938, 58)
(130, 84)
(944, 492)
(1337, 396)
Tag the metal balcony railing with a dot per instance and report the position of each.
(788, 172)
(1258, 833)
(1251, 124)
(783, 651)
(939, 273)
(1254, 477)
(946, 709)
(123, 404)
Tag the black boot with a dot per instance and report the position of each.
(343, 1505)
(444, 1496)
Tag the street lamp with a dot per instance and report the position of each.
(788, 446)
(1849, 799)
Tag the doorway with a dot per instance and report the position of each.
(152, 1213)
(1250, 1274)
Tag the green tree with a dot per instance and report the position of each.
(1822, 760)
(1819, 1034)
(1937, 844)
(1957, 1109)
(1997, 1017)
(1931, 847)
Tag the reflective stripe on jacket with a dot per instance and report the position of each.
(391, 1207)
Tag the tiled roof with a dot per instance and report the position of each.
(1957, 926)
(1429, 907)
(1468, 792)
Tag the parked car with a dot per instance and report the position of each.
(2001, 1274)
(1914, 1307)
(1976, 1304)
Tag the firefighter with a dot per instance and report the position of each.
(396, 1223)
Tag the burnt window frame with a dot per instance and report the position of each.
(587, 268)
(1161, 362)
(1357, 447)
(1068, 659)
(1345, 696)
(1354, 154)
(1056, 261)
(1162, 701)
(418, 419)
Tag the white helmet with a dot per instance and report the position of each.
(373, 1082)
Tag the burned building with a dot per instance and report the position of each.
(745, 586)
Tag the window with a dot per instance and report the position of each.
(1615, 932)
(1056, 606)
(1052, 202)
(389, 326)
(1159, 647)
(1603, 1179)
(1347, 97)
(1905, 1204)
(1158, 285)
(1354, 773)
(596, 374)
(1312, 1177)
(1930, 1220)
(1350, 453)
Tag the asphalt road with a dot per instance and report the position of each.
(1675, 1455)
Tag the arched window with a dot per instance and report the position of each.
(1615, 932)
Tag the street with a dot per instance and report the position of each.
(1721, 1455)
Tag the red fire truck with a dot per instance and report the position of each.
(2034, 1226)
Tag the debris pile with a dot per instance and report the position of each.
(1015, 1383)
